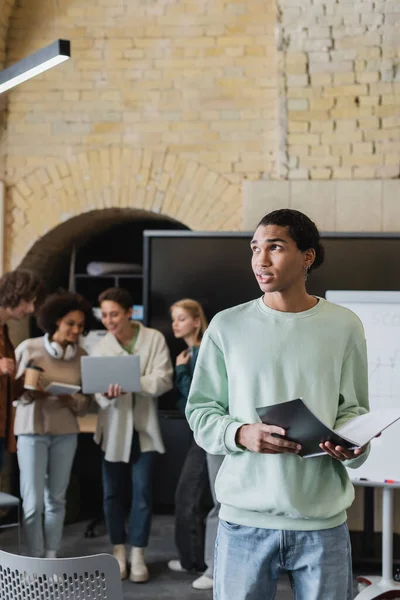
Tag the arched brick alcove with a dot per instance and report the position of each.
(54, 249)
(114, 177)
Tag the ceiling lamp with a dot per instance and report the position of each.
(36, 63)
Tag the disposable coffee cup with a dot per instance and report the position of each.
(32, 374)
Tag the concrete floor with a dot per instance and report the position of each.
(164, 584)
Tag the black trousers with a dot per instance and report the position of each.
(193, 501)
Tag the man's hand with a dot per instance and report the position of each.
(341, 453)
(259, 438)
(7, 366)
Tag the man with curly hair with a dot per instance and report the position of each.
(19, 292)
(280, 512)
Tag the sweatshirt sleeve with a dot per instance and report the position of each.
(158, 377)
(207, 409)
(353, 399)
(22, 357)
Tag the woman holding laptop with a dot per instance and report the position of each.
(46, 421)
(128, 429)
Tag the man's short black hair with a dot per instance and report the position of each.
(118, 295)
(57, 306)
(301, 229)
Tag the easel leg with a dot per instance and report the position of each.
(385, 586)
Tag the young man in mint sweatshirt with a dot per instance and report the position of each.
(280, 512)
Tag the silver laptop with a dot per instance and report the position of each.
(99, 372)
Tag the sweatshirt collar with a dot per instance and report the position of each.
(288, 315)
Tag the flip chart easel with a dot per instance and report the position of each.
(384, 586)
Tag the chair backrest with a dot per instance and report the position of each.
(83, 578)
(7, 500)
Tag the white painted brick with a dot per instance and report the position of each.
(284, 4)
(330, 20)
(352, 8)
(292, 162)
(368, 39)
(389, 171)
(339, 33)
(351, 19)
(298, 174)
(332, 67)
(383, 64)
(372, 20)
(392, 6)
(342, 55)
(387, 76)
(319, 32)
(297, 80)
(316, 10)
(318, 57)
(317, 45)
(297, 104)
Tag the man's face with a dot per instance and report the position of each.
(276, 261)
(22, 310)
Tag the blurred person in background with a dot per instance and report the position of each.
(20, 291)
(46, 425)
(195, 526)
(128, 429)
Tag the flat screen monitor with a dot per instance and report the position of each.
(214, 268)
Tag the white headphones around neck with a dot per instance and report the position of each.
(57, 351)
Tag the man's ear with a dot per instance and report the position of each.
(309, 257)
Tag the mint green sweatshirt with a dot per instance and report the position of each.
(253, 356)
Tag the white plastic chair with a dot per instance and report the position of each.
(83, 578)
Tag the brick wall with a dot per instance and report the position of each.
(120, 177)
(192, 99)
(5, 11)
(341, 79)
(195, 77)
(6, 7)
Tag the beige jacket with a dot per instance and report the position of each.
(51, 415)
(118, 419)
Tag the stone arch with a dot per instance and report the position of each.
(118, 177)
(55, 247)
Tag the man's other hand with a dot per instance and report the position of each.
(265, 439)
(341, 453)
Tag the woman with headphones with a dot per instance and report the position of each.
(46, 425)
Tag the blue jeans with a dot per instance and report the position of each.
(249, 561)
(116, 477)
(45, 463)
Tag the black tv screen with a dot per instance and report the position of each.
(214, 268)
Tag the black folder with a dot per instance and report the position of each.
(302, 426)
